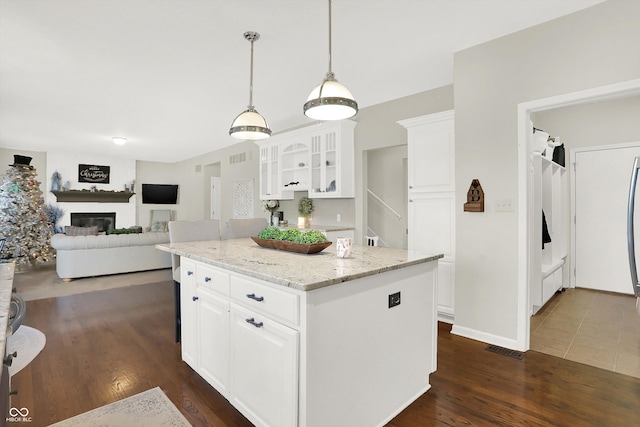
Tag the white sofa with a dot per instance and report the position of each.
(85, 256)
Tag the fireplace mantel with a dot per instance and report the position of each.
(93, 196)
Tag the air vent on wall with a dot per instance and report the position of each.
(237, 158)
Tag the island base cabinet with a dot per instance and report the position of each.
(205, 328)
(213, 333)
(188, 313)
(365, 358)
(264, 369)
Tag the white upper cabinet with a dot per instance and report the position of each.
(318, 159)
(269, 171)
(431, 153)
(332, 161)
(295, 165)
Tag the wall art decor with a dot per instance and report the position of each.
(94, 174)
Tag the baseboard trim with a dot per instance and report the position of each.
(445, 317)
(485, 337)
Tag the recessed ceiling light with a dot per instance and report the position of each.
(119, 140)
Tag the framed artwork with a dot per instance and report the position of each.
(94, 174)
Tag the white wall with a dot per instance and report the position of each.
(155, 173)
(600, 123)
(591, 48)
(38, 161)
(123, 171)
(387, 178)
(377, 128)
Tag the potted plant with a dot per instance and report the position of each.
(270, 206)
(305, 207)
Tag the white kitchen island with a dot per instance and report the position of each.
(309, 340)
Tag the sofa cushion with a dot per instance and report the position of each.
(63, 242)
(72, 230)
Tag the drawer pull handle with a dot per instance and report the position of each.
(253, 322)
(195, 298)
(189, 273)
(207, 279)
(254, 297)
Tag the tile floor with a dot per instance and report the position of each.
(596, 328)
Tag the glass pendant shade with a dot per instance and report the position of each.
(250, 125)
(330, 100)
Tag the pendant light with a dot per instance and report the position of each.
(250, 124)
(330, 100)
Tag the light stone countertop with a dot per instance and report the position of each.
(325, 228)
(299, 271)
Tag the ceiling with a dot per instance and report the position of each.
(171, 75)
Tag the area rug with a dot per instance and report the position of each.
(28, 342)
(42, 282)
(151, 408)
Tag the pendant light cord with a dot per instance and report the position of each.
(251, 77)
(330, 72)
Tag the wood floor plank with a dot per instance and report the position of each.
(106, 345)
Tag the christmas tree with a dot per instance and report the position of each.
(23, 219)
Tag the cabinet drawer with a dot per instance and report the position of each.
(279, 304)
(212, 278)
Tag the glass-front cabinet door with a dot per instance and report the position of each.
(332, 161)
(295, 166)
(269, 172)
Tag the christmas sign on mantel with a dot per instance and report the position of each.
(93, 173)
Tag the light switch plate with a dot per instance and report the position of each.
(504, 205)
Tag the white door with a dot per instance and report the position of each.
(602, 190)
(215, 197)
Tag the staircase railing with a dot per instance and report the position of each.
(383, 203)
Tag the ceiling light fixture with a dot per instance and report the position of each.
(250, 124)
(118, 140)
(330, 100)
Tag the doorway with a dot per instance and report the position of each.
(624, 89)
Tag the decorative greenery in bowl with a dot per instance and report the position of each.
(293, 235)
(292, 240)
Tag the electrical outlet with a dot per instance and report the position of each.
(338, 218)
(394, 299)
(504, 205)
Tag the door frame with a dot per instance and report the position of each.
(525, 211)
(572, 190)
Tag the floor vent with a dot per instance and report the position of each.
(505, 351)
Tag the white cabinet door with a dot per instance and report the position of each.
(188, 312)
(333, 161)
(431, 211)
(432, 229)
(431, 157)
(213, 339)
(294, 166)
(264, 368)
(269, 171)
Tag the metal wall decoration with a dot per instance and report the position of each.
(243, 198)
(475, 198)
(94, 174)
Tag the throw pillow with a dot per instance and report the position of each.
(72, 230)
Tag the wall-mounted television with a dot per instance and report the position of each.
(160, 194)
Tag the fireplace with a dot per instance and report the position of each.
(104, 220)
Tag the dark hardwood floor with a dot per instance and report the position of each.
(107, 345)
